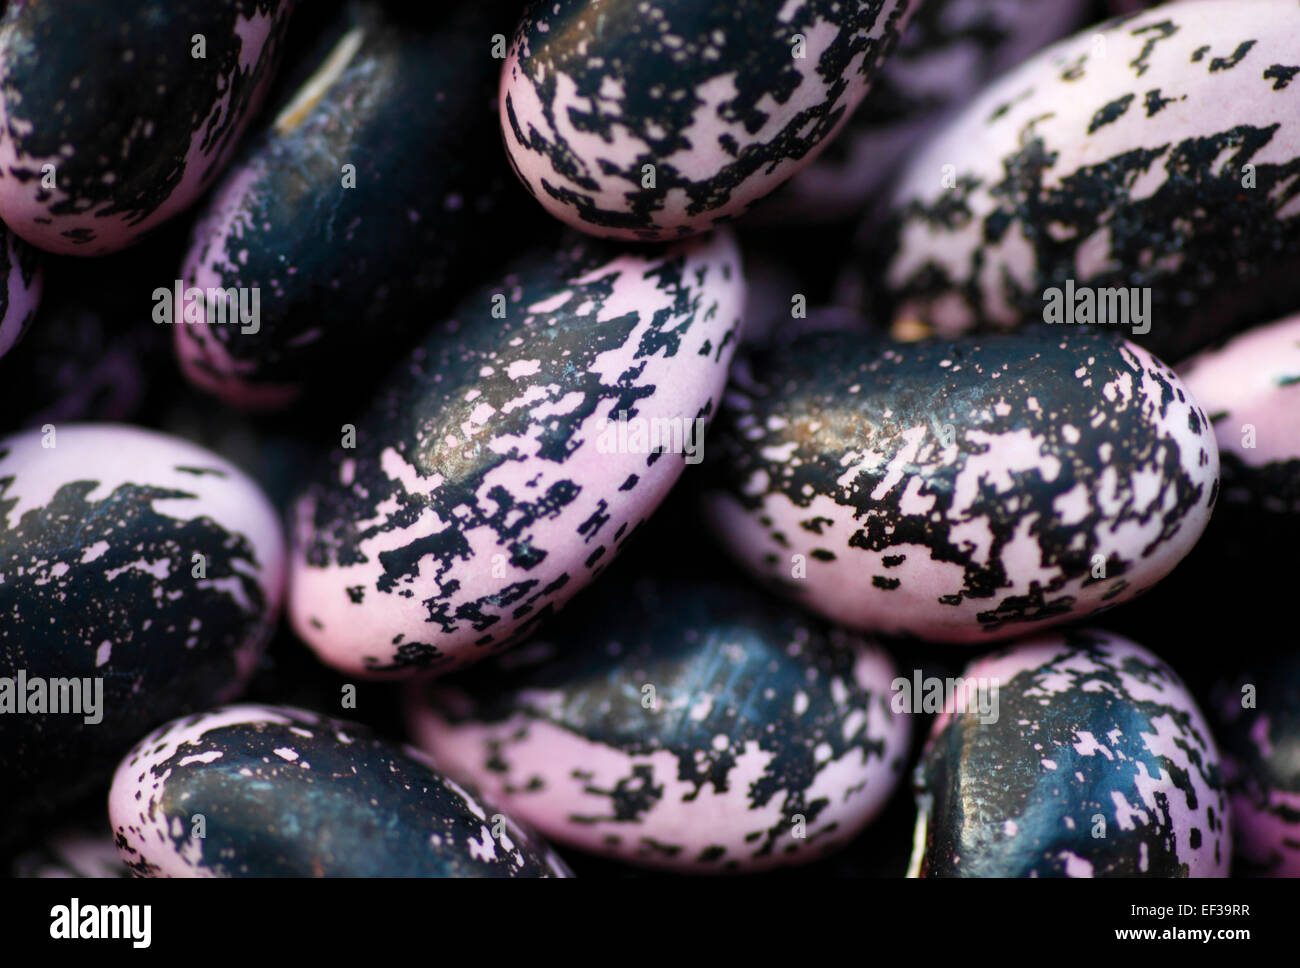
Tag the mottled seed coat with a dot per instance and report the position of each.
(687, 725)
(723, 101)
(378, 188)
(491, 480)
(272, 791)
(1158, 152)
(1251, 390)
(134, 559)
(960, 490)
(1100, 764)
(115, 115)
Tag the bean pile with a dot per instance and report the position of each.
(774, 437)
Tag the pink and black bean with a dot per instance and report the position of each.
(701, 435)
